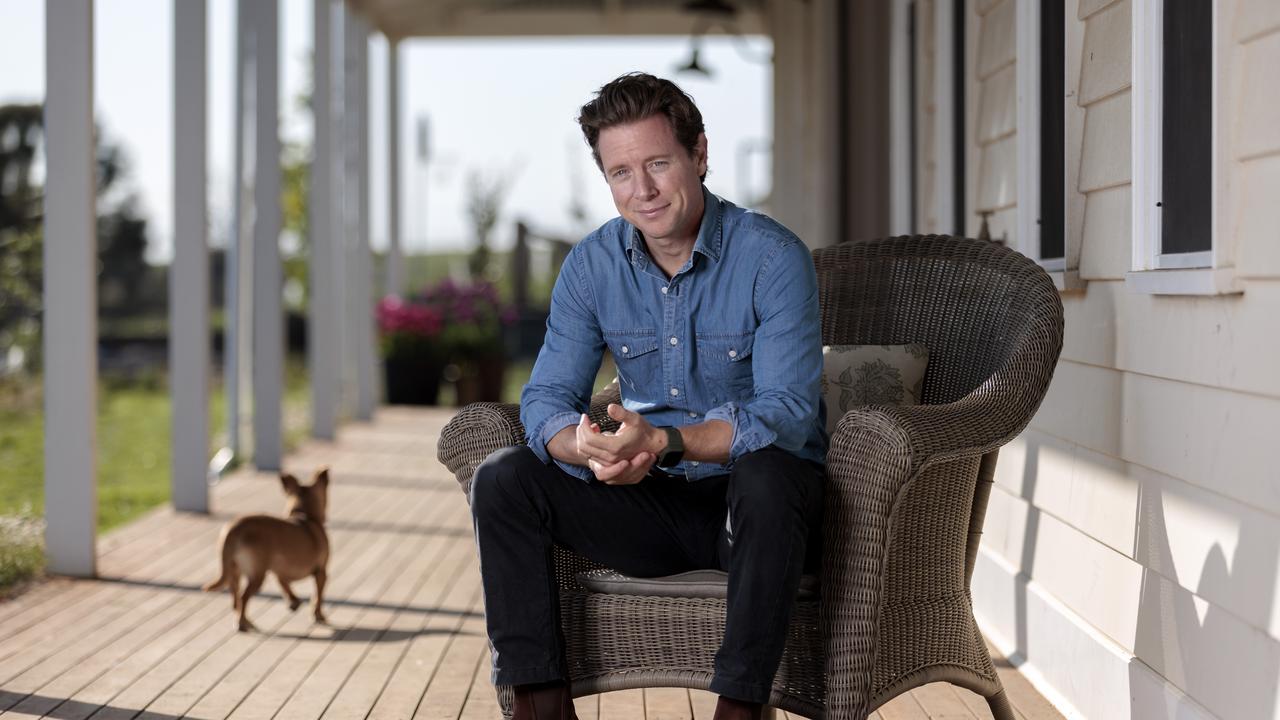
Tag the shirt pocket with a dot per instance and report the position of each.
(725, 360)
(639, 363)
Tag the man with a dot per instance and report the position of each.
(711, 313)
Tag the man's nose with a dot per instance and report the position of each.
(645, 186)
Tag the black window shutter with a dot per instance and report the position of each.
(1186, 192)
(1052, 129)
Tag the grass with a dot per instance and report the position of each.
(133, 433)
(133, 451)
(422, 271)
(133, 426)
(21, 553)
(518, 374)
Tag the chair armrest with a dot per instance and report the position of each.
(876, 451)
(476, 432)
(598, 412)
(870, 460)
(991, 414)
(481, 429)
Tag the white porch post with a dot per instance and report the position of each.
(189, 273)
(339, 229)
(70, 291)
(786, 25)
(233, 334)
(362, 265)
(268, 321)
(322, 346)
(345, 206)
(826, 154)
(395, 270)
(807, 153)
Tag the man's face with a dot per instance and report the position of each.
(654, 182)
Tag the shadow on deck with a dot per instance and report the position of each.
(405, 637)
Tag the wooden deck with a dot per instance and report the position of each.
(406, 635)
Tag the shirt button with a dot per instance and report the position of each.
(674, 392)
(664, 290)
(694, 463)
(674, 341)
(733, 353)
(693, 415)
(625, 349)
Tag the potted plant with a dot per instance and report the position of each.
(412, 353)
(473, 318)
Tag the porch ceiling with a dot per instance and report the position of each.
(474, 18)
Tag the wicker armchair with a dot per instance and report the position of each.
(907, 491)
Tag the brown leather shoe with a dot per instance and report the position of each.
(730, 709)
(545, 701)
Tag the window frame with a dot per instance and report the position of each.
(1204, 272)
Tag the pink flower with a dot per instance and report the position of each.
(394, 315)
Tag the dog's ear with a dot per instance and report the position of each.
(290, 483)
(322, 477)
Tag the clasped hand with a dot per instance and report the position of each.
(619, 458)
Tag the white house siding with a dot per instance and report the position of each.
(1132, 547)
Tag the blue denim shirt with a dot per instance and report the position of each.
(733, 336)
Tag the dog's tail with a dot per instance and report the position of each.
(225, 578)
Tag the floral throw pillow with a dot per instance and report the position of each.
(854, 375)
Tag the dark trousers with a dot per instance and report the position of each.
(759, 523)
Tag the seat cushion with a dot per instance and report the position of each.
(854, 375)
(699, 584)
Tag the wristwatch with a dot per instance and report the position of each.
(673, 453)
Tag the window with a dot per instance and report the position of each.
(1041, 80)
(1051, 218)
(1175, 145)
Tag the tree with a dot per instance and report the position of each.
(122, 233)
(21, 263)
(294, 193)
(484, 207)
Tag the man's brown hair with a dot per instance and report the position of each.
(637, 96)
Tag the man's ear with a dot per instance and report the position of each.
(322, 477)
(290, 483)
(700, 153)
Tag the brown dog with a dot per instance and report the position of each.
(292, 547)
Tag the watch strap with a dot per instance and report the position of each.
(673, 453)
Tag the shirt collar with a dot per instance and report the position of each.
(709, 232)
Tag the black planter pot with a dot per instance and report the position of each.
(481, 380)
(411, 381)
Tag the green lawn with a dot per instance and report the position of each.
(518, 374)
(133, 455)
(133, 450)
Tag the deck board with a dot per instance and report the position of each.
(215, 671)
(406, 634)
(315, 651)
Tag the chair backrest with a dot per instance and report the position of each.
(968, 301)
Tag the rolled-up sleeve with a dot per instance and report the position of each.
(559, 389)
(786, 360)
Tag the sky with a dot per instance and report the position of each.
(500, 107)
